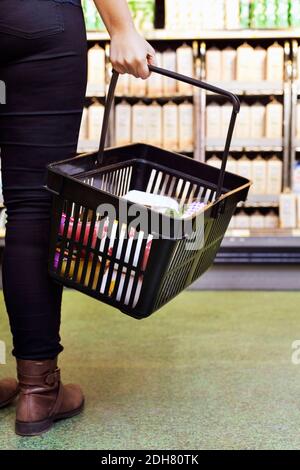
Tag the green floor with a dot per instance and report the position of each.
(212, 370)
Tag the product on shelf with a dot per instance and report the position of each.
(169, 63)
(154, 124)
(122, 88)
(232, 14)
(271, 220)
(143, 13)
(123, 123)
(214, 161)
(243, 122)
(228, 64)
(275, 63)
(186, 126)
(258, 72)
(259, 176)
(257, 221)
(139, 127)
(231, 165)
(245, 62)
(242, 220)
(282, 17)
(257, 120)
(288, 209)
(258, 14)
(137, 86)
(226, 111)
(298, 210)
(296, 177)
(185, 66)
(274, 119)
(213, 60)
(245, 14)
(274, 176)
(271, 11)
(213, 120)
(244, 167)
(170, 126)
(96, 67)
(95, 118)
(84, 133)
(295, 13)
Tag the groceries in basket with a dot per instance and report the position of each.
(88, 265)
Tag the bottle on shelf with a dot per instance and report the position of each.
(287, 210)
(123, 123)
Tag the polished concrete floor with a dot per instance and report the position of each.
(212, 370)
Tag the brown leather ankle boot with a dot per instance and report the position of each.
(43, 398)
(8, 391)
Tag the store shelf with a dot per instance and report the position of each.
(260, 247)
(162, 34)
(250, 145)
(262, 88)
(263, 200)
(92, 146)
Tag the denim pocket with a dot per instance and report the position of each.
(31, 19)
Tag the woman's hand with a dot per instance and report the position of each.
(131, 53)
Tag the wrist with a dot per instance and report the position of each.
(122, 30)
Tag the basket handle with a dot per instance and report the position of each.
(191, 81)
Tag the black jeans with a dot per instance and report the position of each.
(43, 66)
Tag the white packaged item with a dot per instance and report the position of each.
(213, 121)
(287, 210)
(274, 176)
(271, 220)
(245, 62)
(258, 71)
(155, 201)
(228, 64)
(169, 63)
(122, 88)
(137, 86)
(232, 14)
(155, 81)
(170, 126)
(257, 121)
(186, 126)
(259, 175)
(296, 177)
(154, 124)
(213, 65)
(96, 67)
(257, 221)
(275, 63)
(274, 119)
(83, 133)
(214, 161)
(95, 118)
(185, 66)
(242, 220)
(139, 122)
(123, 123)
(231, 165)
(244, 167)
(226, 111)
(243, 122)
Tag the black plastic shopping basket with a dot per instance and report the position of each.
(110, 257)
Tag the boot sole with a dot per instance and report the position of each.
(9, 401)
(39, 427)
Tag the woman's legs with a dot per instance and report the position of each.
(45, 81)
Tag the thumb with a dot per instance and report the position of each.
(151, 55)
